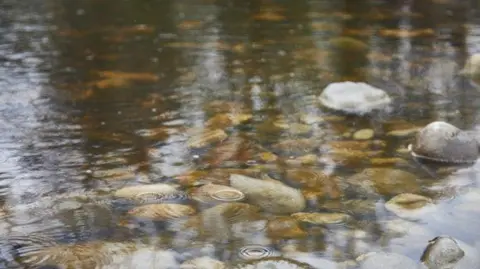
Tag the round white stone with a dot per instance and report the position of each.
(354, 97)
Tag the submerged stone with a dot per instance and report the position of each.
(363, 134)
(409, 205)
(284, 227)
(212, 193)
(204, 262)
(349, 44)
(441, 253)
(161, 212)
(97, 254)
(354, 97)
(274, 262)
(321, 218)
(384, 181)
(472, 68)
(206, 138)
(271, 195)
(442, 142)
(383, 260)
(445, 252)
(312, 259)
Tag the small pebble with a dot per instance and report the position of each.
(363, 134)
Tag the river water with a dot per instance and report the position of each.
(98, 95)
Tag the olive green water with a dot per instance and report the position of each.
(99, 95)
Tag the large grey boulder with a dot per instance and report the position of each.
(442, 142)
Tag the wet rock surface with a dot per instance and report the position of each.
(354, 97)
(442, 142)
(445, 252)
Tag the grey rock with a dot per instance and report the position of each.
(445, 252)
(442, 142)
(354, 97)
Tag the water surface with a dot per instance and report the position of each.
(99, 95)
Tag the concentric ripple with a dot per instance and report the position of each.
(212, 193)
(153, 197)
(254, 252)
(228, 195)
(18, 246)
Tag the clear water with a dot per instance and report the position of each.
(98, 95)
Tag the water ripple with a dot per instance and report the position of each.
(254, 252)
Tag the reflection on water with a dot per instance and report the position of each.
(100, 96)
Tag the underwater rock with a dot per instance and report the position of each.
(321, 218)
(203, 263)
(357, 208)
(355, 145)
(442, 142)
(349, 44)
(146, 258)
(313, 260)
(472, 68)
(214, 193)
(284, 227)
(314, 180)
(400, 128)
(216, 222)
(445, 252)
(392, 161)
(271, 195)
(363, 134)
(234, 150)
(442, 252)
(386, 181)
(161, 212)
(274, 262)
(143, 193)
(305, 160)
(206, 138)
(296, 147)
(383, 260)
(231, 212)
(225, 120)
(97, 254)
(409, 205)
(354, 97)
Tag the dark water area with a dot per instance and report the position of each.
(97, 96)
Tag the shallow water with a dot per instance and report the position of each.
(99, 95)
